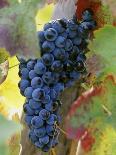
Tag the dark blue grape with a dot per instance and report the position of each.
(37, 82)
(24, 73)
(38, 94)
(23, 84)
(31, 64)
(28, 92)
(48, 46)
(68, 45)
(44, 114)
(47, 26)
(40, 132)
(32, 74)
(48, 78)
(37, 122)
(58, 27)
(87, 15)
(40, 68)
(33, 137)
(27, 109)
(44, 140)
(50, 34)
(52, 119)
(41, 36)
(39, 145)
(57, 66)
(48, 59)
(34, 104)
(59, 54)
(60, 42)
(28, 119)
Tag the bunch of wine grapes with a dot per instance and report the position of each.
(63, 45)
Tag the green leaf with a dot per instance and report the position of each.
(104, 45)
(3, 149)
(7, 129)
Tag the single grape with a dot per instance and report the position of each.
(32, 74)
(72, 26)
(23, 84)
(48, 59)
(32, 136)
(44, 114)
(48, 46)
(38, 94)
(46, 99)
(87, 15)
(41, 36)
(59, 87)
(58, 27)
(39, 145)
(40, 68)
(28, 119)
(60, 42)
(71, 34)
(77, 41)
(37, 122)
(50, 129)
(45, 148)
(24, 73)
(59, 54)
(28, 92)
(57, 66)
(47, 26)
(53, 94)
(52, 119)
(31, 64)
(34, 104)
(44, 140)
(48, 78)
(37, 82)
(68, 45)
(50, 34)
(40, 132)
(27, 109)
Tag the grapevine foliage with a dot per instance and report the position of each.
(18, 28)
(93, 113)
(63, 44)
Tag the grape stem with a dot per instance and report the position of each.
(53, 152)
(106, 110)
(64, 132)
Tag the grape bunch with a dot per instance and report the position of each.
(63, 45)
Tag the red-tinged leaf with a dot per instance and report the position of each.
(87, 141)
(84, 99)
(101, 15)
(3, 3)
(92, 113)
